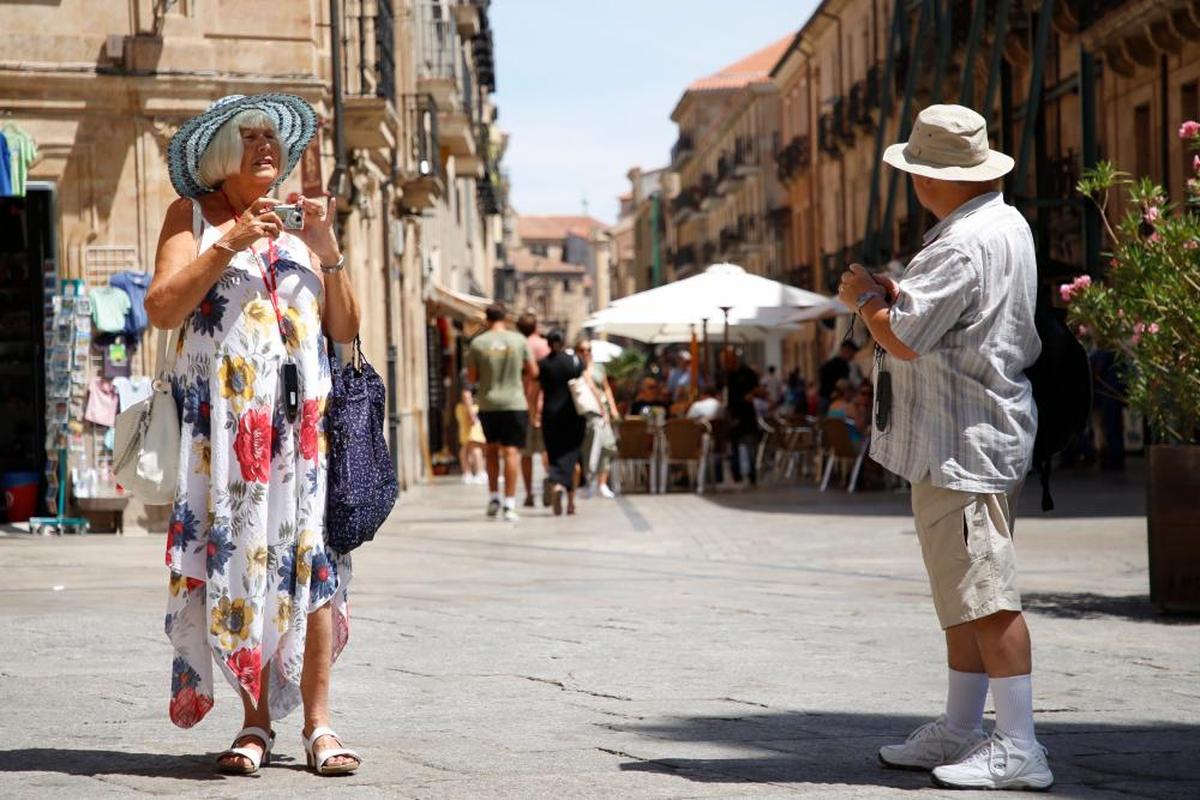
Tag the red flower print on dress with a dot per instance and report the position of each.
(189, 707)
(308, 429)
(253, 445)
(246, 665)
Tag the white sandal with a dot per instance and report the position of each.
(255, 757)
(317, 760)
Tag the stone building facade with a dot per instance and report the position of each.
(101, 87)
(555, 261)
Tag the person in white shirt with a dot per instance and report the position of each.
(954, 415)
(707, 408)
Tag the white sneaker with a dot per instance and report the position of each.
(931, 745)
(606, 492)
(998, 763)
(510, 515)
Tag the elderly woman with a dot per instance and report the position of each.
(252, 585)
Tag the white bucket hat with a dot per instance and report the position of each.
(949, 143)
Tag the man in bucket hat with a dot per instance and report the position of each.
(954, 415)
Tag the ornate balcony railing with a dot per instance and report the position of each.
(369, 66)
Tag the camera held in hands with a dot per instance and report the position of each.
(292, 216)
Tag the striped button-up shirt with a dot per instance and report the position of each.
(962, 413)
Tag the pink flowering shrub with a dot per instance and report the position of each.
(1145, 305)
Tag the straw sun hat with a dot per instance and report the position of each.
(949, 143)
(294, 119)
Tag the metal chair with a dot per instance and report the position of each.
(637, 451)
(685, 441)
(838, 448)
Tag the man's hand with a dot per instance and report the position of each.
(856, 281)
(889, 286)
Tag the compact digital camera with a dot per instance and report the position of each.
(292, 216)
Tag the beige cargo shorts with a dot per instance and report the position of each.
(966, 541)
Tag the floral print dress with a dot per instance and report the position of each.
(246, 546)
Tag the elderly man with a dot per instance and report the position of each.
(954, 414)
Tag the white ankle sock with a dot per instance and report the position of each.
(510, 503)
(1013, 698)
(966, 694)
(495, 497)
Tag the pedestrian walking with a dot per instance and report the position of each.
(499, 361)
(253, 585)
(471, 440)
(743, 387)
(954, 414)
(600, 441)
(527, 324)
(562, 427)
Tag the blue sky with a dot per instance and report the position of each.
(586, 87)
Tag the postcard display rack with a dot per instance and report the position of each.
(68, 341)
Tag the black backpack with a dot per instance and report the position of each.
(1062, 390)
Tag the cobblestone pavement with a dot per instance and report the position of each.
(738, 645)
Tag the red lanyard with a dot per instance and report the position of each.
(269, 275)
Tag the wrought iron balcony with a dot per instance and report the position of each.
(682, 149)
(421, 171)
(685, 204)
(369, 76)
(826, 135)
(369, 66)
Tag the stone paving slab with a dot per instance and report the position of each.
(758, 645)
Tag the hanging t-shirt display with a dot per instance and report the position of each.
(134, 284)
(101, 403)
(116, 360)
(109, 306)
(22, 153)
(5, 168)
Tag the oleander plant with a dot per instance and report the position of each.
(1145, 303)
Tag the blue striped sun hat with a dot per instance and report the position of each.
(294, 119)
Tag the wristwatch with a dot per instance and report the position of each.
(338, 267)
(865, 298)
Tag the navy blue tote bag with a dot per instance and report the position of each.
(361, 488)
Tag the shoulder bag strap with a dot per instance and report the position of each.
(165, 343)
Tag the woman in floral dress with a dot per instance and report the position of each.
(252, 585)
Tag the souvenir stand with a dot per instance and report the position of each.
(68, 340)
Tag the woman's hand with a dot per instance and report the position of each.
(257, 221)
(318, 231)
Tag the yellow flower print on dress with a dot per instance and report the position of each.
(236, 376)
(231, 621)
(283, 614)
(295, 328)
(202, 451)
(304, 550)
(260, 315)
(256, 561)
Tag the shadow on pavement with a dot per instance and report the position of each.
(1087, 605)
(112, 762)
(1078, 493)
(1141, 760)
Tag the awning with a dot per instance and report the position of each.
(460, 305)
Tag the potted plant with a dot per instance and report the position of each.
(1145, 307)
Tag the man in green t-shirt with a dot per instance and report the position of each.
(499, 360)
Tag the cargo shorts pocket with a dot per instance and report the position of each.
(977, 531)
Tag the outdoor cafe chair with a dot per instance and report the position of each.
(685, 441)
(637, 451)
(839, 450)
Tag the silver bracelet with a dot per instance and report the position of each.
(338, 267)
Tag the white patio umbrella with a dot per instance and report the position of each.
(753, 306)
(603, 352)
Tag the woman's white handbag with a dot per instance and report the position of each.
(146, 451)
(587, 404)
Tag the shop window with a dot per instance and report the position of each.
(1189, 109)
(1143, 140)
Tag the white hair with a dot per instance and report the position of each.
(223, 156)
